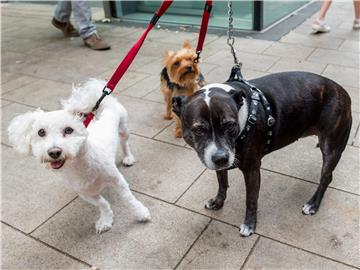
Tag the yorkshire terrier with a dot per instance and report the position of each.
(180, 76)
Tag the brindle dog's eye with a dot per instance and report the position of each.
(177, 63)
(198, 130)
(42, 132)
(231, 126)
(68, 130)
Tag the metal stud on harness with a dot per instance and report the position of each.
(257, 96)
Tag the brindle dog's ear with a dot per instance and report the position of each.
(237, 97)
(177, 103)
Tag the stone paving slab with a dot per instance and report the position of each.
(45, 94)
(345, 76)
(333, 232)
(346, 59)
(289, 50)
(30, 193)
(286, 64)
(219, 247)
(304, 160)
(21, 252)
(159, 244)
(269, 254)
(161, 170)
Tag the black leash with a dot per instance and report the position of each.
(257, 96)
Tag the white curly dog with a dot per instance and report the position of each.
(85, 156)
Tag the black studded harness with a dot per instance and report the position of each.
(257, 96)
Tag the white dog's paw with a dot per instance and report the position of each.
(143, 215)
(103, 224)
(245, 230)
(128, 160)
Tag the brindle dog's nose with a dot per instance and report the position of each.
(54, 152)
(220, 158)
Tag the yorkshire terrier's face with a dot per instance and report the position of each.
(180, 65)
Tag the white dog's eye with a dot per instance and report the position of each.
(41, 132)
(68, 130)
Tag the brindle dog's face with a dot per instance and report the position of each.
(210, 125)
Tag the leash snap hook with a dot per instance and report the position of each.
(197, 59)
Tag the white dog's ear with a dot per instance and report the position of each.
(19, 131)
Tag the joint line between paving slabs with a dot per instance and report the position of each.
(197, 238)
(47, 245)
(308, 251)
(356, 133)
(235, 226)
(250, 252)
(311, 182)
(190, 186)
(42, 223)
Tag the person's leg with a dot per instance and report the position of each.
(356, 25)
(82, 13)
(319, 24)
(323, 10)
(61, 19)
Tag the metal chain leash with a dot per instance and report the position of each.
(230, 37)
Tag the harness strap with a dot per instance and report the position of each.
(126, 62)
(257, 96)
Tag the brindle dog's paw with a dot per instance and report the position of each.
(246, 230)
(214, 204)
(309, 209)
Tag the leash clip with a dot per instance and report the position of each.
(197, 59)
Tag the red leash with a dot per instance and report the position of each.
(126, 62)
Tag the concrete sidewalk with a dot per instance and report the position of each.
(46, 226)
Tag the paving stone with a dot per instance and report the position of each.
(143, 87)
(289, 51)
(17, 83)
(221, 74)
(7, 114)
(4, 103)
(7, 77)
(161, 170)
(269, 254)
(350, 46)
(250, 61)
(22, 252)
(345, 76)
(30, 193)
(44, 94)
(160, 243)
(314, 41)
(334, 57)
(155, 96)
(286, 64)
(130, 78)
(168, 135)
(355, 97)
(333, 232)
(357, 137)
(219, 247)
(303, 160)
(145, 117)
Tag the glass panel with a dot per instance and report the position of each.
(275, 10)
(188, 12)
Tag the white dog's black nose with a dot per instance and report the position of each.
(220, 158)
(54, 152)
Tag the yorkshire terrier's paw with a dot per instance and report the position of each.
(168, 117)
(178, 134)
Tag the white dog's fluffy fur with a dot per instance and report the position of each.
(85, 156)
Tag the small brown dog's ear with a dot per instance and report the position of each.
(187, 44)
(177, 104)
(167, 56)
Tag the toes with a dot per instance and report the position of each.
(144, 215)
(212, 204)
(102, 227)
(309, 209)
(245, 230)
(128, 160)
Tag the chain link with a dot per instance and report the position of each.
(230, 35)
